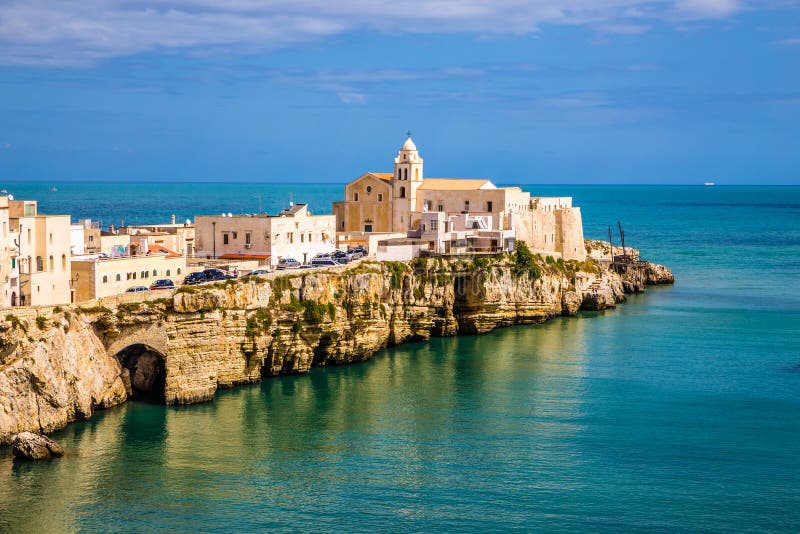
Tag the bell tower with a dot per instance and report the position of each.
(407, 179)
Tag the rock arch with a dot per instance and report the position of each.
(142, 353)
(144, 372)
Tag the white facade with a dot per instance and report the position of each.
(293, 233)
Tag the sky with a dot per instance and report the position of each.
(519, 91)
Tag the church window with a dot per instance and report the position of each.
(355, 197)
(380, 197)
(369, 189)
(405, 174)
(402, 192)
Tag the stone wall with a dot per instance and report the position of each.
(59, 365)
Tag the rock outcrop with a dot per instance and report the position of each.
(30, 446)
(62, 365)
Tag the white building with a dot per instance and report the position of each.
(293, 233)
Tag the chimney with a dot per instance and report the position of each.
(111, 228)
(172, 219)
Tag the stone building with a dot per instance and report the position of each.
(96, 277)
(395, 202)
(293, 233)
(36, 267)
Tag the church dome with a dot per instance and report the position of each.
(409, 144)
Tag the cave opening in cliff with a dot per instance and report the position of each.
(146, 374)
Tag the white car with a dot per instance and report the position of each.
(288, 263)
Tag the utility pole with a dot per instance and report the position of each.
(214, 237)
(611, 242)
(622, 238)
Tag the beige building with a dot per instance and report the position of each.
(178, 237)
(40, 251)
(293, 233)
(97, 277)
(395, 202)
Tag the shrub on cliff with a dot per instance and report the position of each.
(524, 262)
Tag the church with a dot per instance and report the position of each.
(391, 203)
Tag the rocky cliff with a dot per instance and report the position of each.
(60, 365)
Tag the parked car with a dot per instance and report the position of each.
(323, 262)
(307, 266)
(288, 263)
(136, 289)
(260, 271)
(212, 275)
(194, 278)
(341, 257)
(322, 255)
(164, 283)
(360, 250)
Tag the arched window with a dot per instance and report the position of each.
(402, 192)
(63, 262)
(369, 189)
(168, 271)
(105, 279)
(179, 270)
(119, 277)
(155, 273)
(52, 264)
(405, 174)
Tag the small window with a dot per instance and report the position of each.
(224, 239)
(489, 206)
(247, 238)
(179, 270)
(51, 238)
(52, 263)
(355, 197)
(105, 279)
(63, 262)
(168, 272)
(91, 239)
(39, 263)
(380, 197)
(119, 277)
(134, 276)
(234, 235)
(466, 205)
(369, 189)
(440, 208)
(302, 238)
(155, 273)
(402, 192)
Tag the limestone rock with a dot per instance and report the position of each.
(30, 446)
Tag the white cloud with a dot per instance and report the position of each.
(68, 32)
(794, 41)
(352, 98)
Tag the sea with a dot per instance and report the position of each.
(679, 411)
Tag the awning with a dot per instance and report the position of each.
(234, 256)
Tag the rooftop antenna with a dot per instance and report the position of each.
(408, 133)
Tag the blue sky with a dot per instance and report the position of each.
(536, 91)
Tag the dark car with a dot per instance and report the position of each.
(164, 283)
(260, 271)
(341, 257)
(136, 289)
(194, 278)
(216, 274)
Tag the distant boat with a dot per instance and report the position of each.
(3, 191)
(52, 188)
(709, 183)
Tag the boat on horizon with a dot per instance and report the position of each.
(709, 183)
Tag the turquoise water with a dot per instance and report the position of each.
(678, 411)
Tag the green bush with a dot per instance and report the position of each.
(41, 322)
